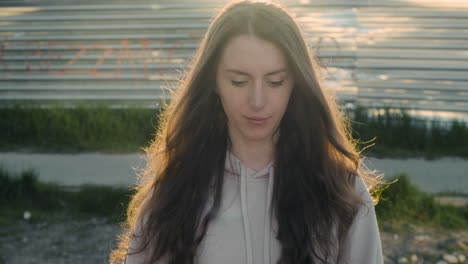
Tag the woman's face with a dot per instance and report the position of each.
(254, 85)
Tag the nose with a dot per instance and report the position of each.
(257, 96)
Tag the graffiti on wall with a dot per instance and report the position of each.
(143, 62)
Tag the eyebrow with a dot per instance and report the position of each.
(244, 73)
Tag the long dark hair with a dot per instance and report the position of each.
(316, 161)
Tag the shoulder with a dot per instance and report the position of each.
(361, 189)
(366, 202)
(364, 245)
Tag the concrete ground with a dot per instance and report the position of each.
(446, 174)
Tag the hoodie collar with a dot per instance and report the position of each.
(237, 168)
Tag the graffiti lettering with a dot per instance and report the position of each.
(39, 56)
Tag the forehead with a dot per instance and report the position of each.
(252, 55)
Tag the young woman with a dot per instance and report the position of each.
(253, 162)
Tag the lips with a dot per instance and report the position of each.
(257, 120)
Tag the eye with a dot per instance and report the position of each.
(276, 84)
(238, 83)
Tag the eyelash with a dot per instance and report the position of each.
(277, 84)
(274, 84)
(237, 83)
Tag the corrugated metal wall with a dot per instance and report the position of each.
(376, 53)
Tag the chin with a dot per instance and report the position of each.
(257, 136)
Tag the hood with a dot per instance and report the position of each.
(236, 168)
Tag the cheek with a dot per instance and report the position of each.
(281, 101)
(232, 104)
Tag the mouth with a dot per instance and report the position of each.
(257, 120)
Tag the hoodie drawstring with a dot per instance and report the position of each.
(266, 237)
(245, 217)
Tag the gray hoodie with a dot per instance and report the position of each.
(243, 232)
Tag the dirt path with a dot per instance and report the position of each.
(90, 241)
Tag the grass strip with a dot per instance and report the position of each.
(121, 130)
(399, 202)
(403, 202)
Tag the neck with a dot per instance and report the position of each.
(255, 154)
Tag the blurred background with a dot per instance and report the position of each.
(82, 83)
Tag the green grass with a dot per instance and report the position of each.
(61, 129)
(401, 202)
(101, 128)
(404, 202)
(46, 201)
(397, 134)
